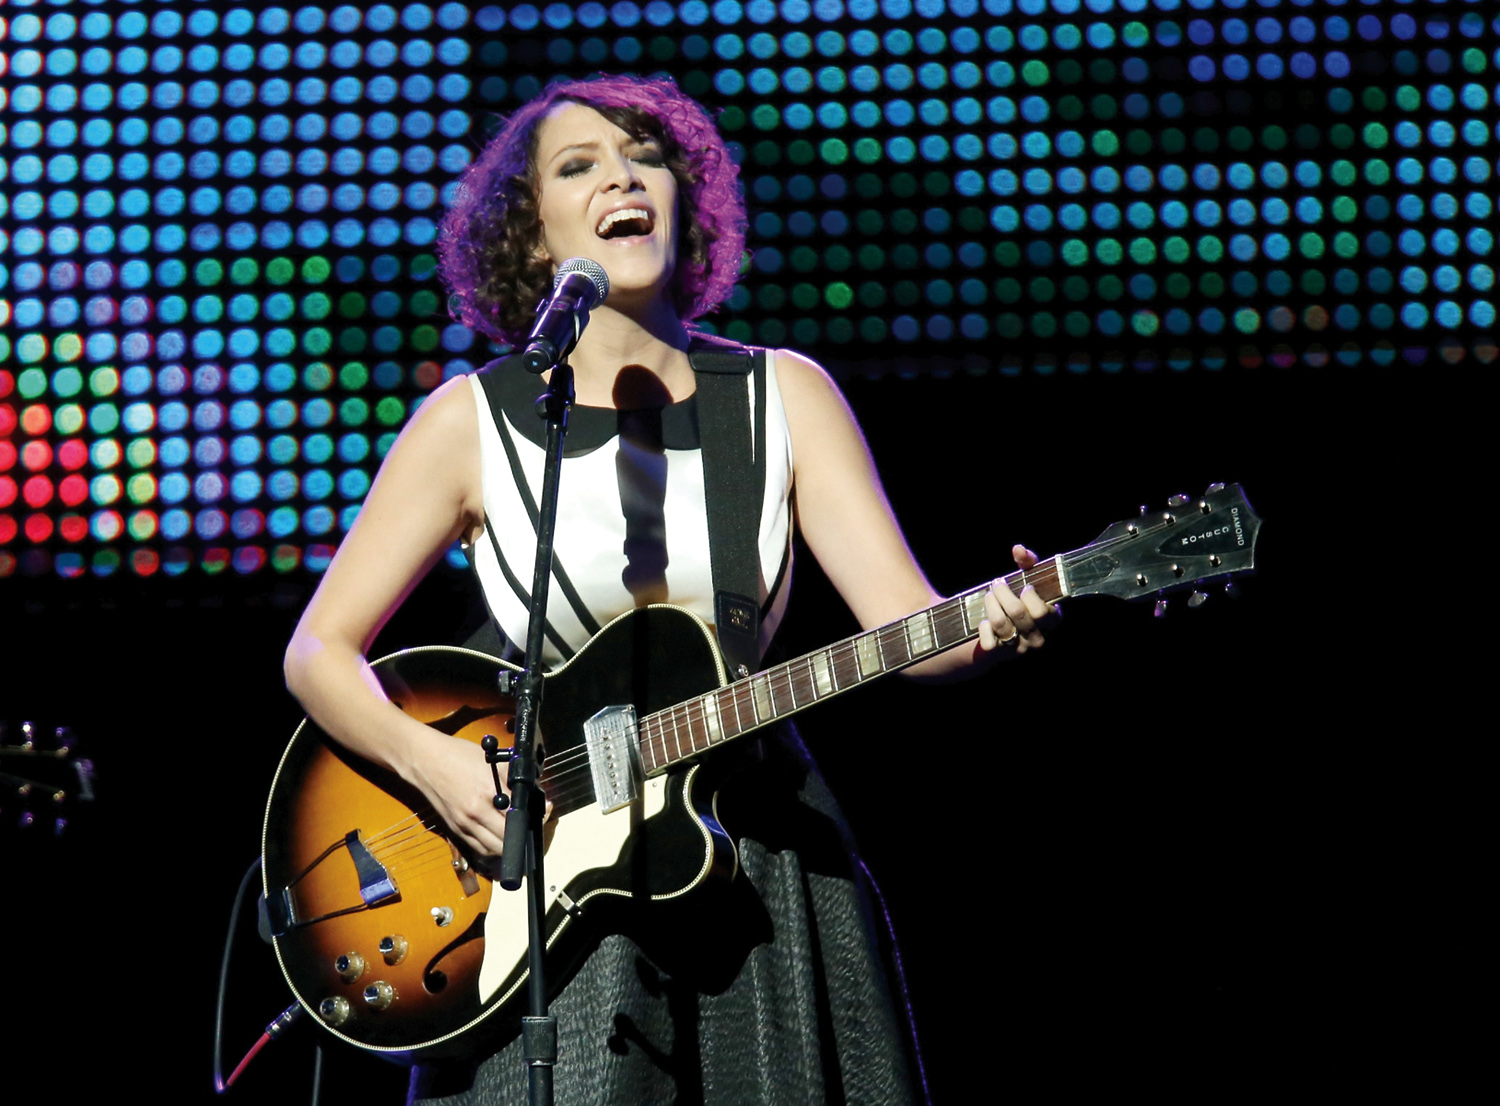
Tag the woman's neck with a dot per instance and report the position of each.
(619, 355)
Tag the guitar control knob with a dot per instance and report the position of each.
(443, 916)
(334, 1011)
(393, 948)
(1197, 599)
(379, 995)
(350, 966)
(1178, 500)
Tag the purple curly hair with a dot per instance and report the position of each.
(486, 246)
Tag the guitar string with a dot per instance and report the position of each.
(567, 776)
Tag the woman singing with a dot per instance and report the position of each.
(787, 1000)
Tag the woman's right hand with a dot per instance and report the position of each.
(453, 775)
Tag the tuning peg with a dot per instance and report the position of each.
(1197, 599)
(1232, 590)
(1161, 609)
(1214, 489)
(1178, 500)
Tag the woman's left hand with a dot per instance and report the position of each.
(1012, 619)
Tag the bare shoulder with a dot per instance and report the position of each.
(807, 390)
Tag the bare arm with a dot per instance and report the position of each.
(427, 494)
(846, 520)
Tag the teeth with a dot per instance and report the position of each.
(616, 216)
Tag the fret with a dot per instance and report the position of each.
(973, 611)
(844, 658)
(919, 634)
(867, 648)
(711, 724)
(677, 733)
(791, 684)
(734, 702)
(648, 749)
(822, 674)
(760, 693)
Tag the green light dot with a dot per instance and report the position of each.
(732, 118)
(1111, 287)
(1105, 143)
(834, 151)
(1173, 141)
(352, 305)
(1142, 251)
(1178, 286)
(840, 330)
(1144, 322)
(1175, 249)
(1240, 139)
(1138, 142)
(1035, 73)
(1375, 136)
(1070, 107)
(317, 341)
(904, 221)
(1009, 325)
(1075, 251)
(1108, 251)
(1076, 323)
(423, 265)
(389, 412)
(838, 259)
(1408, 98)
(353, 340)
(384, 442)
(1273, 138)
(801, 152)
(424, 304)
(872, 329)
(1135, 34)
(1077, 288)
(1007, 290)
(1311, 245)
(771, 297)
(316, 306)
(425, 339)
(771, 332)
(280, 270)
(353, 376)
(839, 295)
(1373, 98)
(1044, 324)
(767, 153)
(872, 294)
(1474, 61)
(804, 296)
(104, 382)
(867, 151)
(1211, 285)
(765, 118)
(805, 259)
(664, 49)
(1211, 248)
(1341, 135)
(906, 293)
(140, 453)
(208, 272)
(244, 271)
(1345, 245)
(141, 488)
(315, 270)
(354, 412)
(1377, 172)
(1247, 320)
(1041, 290)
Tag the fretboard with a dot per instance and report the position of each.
(691, 728)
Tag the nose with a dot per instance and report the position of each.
(620, 175)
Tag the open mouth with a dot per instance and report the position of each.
(630, 222)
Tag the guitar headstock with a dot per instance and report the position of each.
(42, 778)
(1190, 542)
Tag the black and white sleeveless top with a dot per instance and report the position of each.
(631, 528)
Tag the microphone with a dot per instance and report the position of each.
(580, 285)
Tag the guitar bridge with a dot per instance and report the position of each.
(614, 756)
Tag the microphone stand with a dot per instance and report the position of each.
(522, 859)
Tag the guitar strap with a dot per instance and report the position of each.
(731, 408)
(732, 433)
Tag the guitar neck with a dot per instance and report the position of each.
(691, 728)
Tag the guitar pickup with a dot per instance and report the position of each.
(614, 756)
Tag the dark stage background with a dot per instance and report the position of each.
(1066, 259)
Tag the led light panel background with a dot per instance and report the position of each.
(217, 247)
